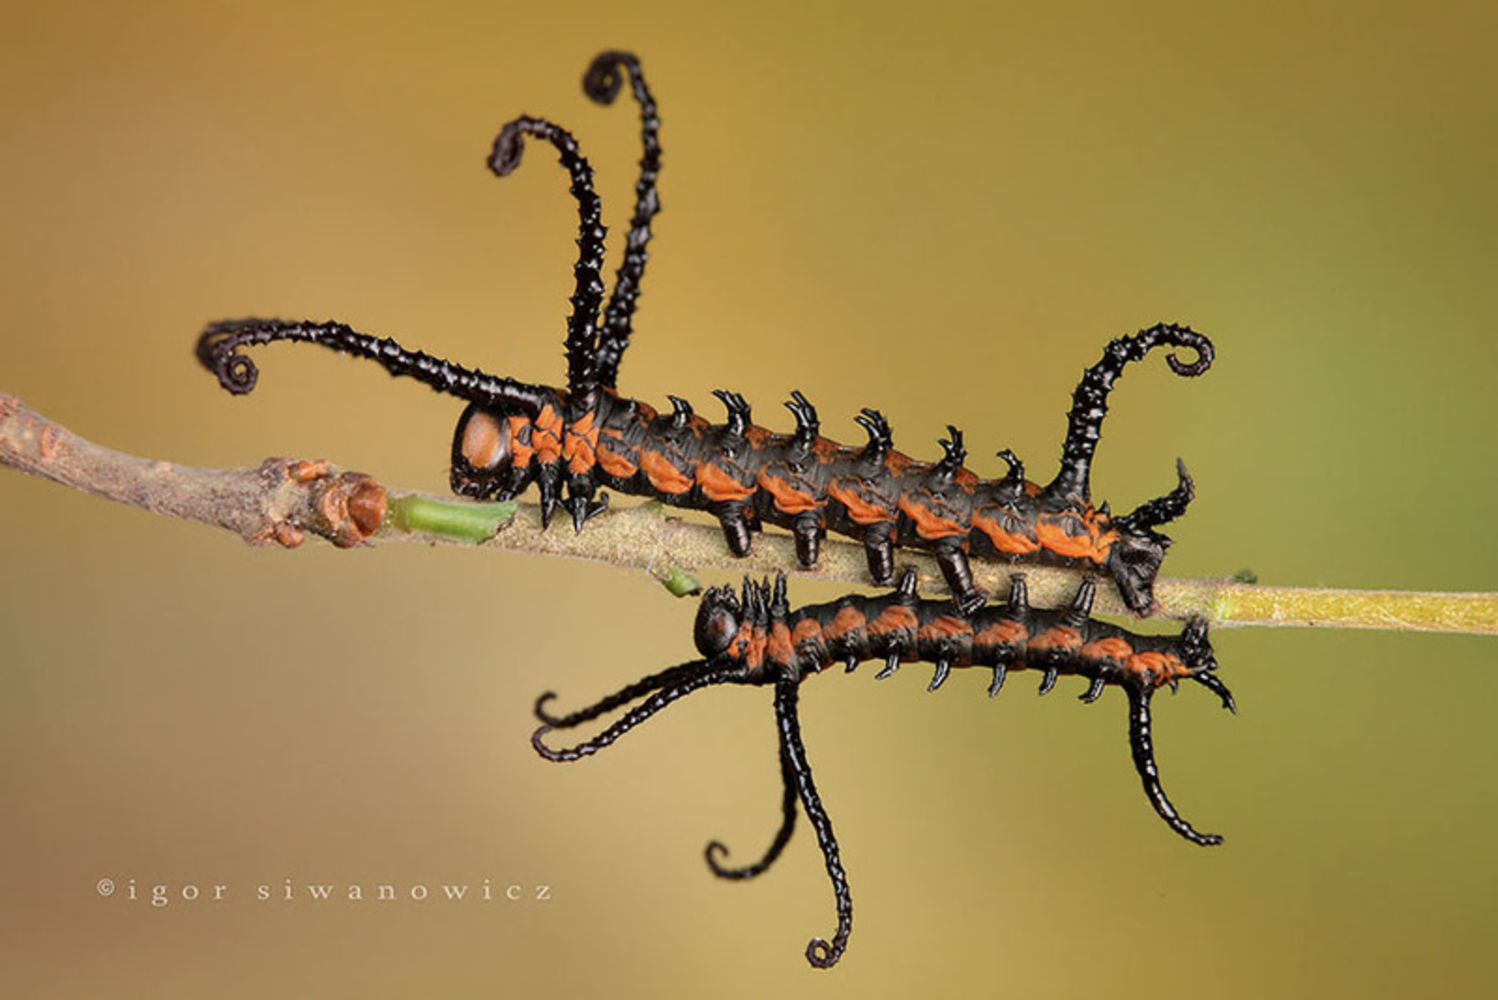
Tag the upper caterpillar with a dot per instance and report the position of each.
(577, 439)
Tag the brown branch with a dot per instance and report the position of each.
(283, 499)
(279, 500)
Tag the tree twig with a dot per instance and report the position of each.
(283, 500)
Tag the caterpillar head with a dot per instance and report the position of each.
(1196, 653)
(1135, 557)
(1134, 561)
(718, 620)
(483, 456)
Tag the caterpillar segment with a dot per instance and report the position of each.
(755, 638)
(573, 443)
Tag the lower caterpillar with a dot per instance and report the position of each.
(573, 442)
(757, 639)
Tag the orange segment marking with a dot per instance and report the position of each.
(847, 621)
(1002, 633)
(860, 509)
(1005, 541)
(719, 486)
(664, 476)
(788, 499)
(928, 523)
(1057, 637)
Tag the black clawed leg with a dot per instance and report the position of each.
(1000, 671)
(1094, 691)
(735, 529)
(943, 668)
(1019, 595)
(891, 664)
(959, 576)
(808, 531)
(549, 485)
(1080, 609)
(1144, 762)
(598, 506)
(819, 952)
(1049, 680)
(716, 849)
(906, 588)
(879, 547)
(581, 509)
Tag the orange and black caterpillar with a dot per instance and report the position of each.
(587, 436)
(757, 639)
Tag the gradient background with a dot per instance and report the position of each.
(944, 214)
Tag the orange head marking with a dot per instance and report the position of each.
(491, 456)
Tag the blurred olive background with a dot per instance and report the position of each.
(943, 212)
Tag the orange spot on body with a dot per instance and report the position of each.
(1108, 649)
(944, 627)
(1006, 542)
(664, 476)
(861, 508)
(1075, 535)
(483, 441)
(1057, 637)
(779, 649)
(896, 463)
(847, 621)
(520, 438)
(718, 485)
(546, 435)
(614, 463)
(929, 524)
(896, 618)
(1002, 633)
(1161, 667)
(580, 447)
(807, 629)
(754, 650)
(788, 499)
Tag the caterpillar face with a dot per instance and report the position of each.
(485, 446)
(717, 622)
(1134, 561)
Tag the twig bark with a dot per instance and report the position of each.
(282, 500)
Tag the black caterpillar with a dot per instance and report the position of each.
(757, 639)
(586, 436)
